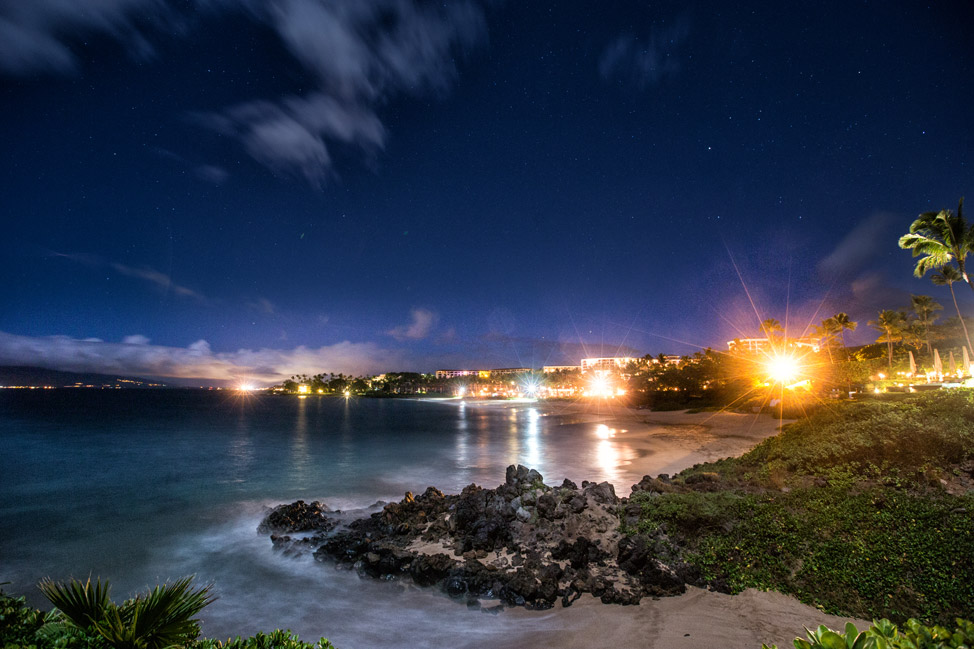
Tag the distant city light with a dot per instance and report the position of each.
(247, 387)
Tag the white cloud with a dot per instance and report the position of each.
(360, 52)
(421, 325)
(136, 356)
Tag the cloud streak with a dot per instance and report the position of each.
(135, 355)
(147, 274)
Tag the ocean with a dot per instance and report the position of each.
(139, 487)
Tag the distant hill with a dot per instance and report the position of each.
(22, 376)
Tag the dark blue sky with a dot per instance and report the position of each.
(390, 184)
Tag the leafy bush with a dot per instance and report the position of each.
(883, 634)
(934, 429)
(275, 640)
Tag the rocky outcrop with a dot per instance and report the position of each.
(523, 543)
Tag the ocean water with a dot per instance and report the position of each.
(140, 487)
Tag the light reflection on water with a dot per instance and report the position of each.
(215, 465)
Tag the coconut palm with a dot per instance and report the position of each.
(946, 277)
(925, 308)
(826, 332)
(891, 324)
(163, 617)
(772, 328)
(842, 322)
(940, 238)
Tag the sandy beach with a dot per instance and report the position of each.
(668, 442)
(697, 619)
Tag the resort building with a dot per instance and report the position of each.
(452, 374)
(506, 371)
(482, 374)
(606, 364)
(550, 369)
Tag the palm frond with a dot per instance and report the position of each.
(81, 603)
(162, 618)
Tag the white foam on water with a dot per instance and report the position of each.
(261, 589)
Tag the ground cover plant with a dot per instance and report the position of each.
(883, 634)
(863, 509)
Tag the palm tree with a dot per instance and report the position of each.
(842, 322)
(163, 617)
(942, 238)
(891, 325)
(826, 331)
(924, 307)
(946, 277)
(771, 329)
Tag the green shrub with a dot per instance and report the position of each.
(883, 634)
(275, 640)
(930, 430)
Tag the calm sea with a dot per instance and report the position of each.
(140, 487)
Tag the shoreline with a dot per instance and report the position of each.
(668, 442)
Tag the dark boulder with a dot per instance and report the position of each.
(637, 558)
(297, 517)
(427, 570)
(580, 553)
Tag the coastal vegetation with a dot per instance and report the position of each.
(883, 634)
(863, 509)
(84, 617)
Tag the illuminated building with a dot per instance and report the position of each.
(754, 345)
(606, 364)
(550, 369)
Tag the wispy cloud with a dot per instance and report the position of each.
(860, 247)
(156, 278)
(135, 355)
(263, 305)
(420, 326)
(358, 54)
(35, 35)
(647, 62)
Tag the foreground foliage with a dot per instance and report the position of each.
(89, 620)
(849, 511)
(883, 634)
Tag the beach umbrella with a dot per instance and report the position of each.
(938, 365)
(967, 362)
(952, 365)
(913, 364)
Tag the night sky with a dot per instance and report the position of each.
(245, 188)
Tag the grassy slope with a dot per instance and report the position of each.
(846, 510)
